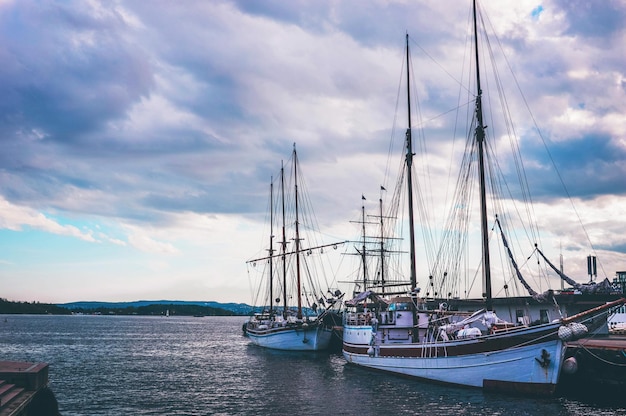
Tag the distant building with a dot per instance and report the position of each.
(620, 281)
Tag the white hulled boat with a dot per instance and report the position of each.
(290, 274)
(397, 333)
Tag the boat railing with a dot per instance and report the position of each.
(359, 318)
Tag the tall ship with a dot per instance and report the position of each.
(298, 309)
(389, 326)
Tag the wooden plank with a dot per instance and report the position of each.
(4, 387)
(7, 397)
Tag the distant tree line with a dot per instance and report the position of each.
(34, 308)
(160, 309)
(10, 307)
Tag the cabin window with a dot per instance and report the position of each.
(543, 316)
(521, 317)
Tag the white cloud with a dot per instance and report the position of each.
(145, 243)
(15, 217)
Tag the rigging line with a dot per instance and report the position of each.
(470, 96)
(503, 185)
(254, 297)
(550, 334)
(523, 226)
(438, 64)
(426, 234)
(390, 150)
(545, 144)
(495, 182)
(602, 359)
(517, 157)
(422, 123)
(530, 290)
(510, 128)
(452, 242)
(450, 253)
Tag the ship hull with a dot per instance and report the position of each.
(503, 363)
(311, 338)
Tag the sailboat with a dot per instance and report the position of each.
(397, 333)
(290, 273)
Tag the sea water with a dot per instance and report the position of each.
(138, 365)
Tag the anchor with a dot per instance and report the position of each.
(545, 359)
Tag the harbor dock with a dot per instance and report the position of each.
(20, 385)
(595, 366)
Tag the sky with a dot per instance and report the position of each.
(138, 138)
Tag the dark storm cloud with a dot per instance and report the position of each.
(593, 18)
(620, 248)
(72, 72)
(589, 166)
(71, 75)
(570, 78)
(371, 24)
(68, 71)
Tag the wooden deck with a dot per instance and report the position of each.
(19, 383)
(610, 343)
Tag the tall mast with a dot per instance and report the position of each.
(363, 253)
(409, 164)
(284, 243)
(382, 245)
(271, 250)
(480, 139)
(295, 178)
(409, 182)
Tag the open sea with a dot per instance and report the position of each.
(122, 365)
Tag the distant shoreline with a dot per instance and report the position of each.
(144, 308)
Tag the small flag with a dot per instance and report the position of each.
(382, 188)
(363, 197)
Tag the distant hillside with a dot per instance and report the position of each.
(36, 308)
(234, 308)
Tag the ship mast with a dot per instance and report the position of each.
(295, 176)
(382, 245)
(480, 139)
(284, 243)
(409, 182)
(363, 252)
(271, 250)
(409, 164)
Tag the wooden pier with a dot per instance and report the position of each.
(19, 384)
(598, 366)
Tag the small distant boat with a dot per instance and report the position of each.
(395, 332)
(305, 326)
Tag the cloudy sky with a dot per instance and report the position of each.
(138, 137)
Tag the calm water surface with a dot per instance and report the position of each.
(115, 365)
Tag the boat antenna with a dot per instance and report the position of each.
(480, 139)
